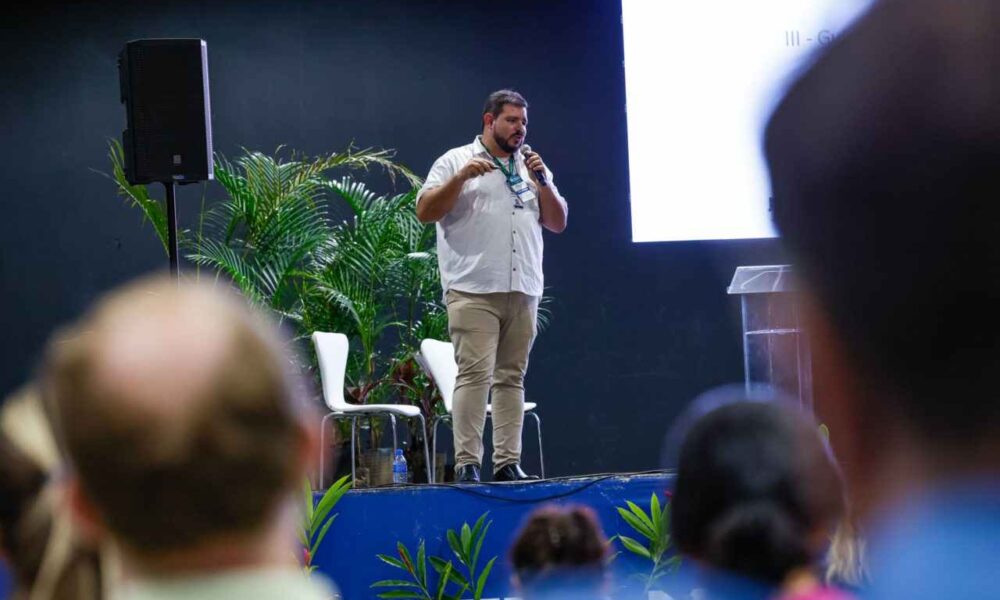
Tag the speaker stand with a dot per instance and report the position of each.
(172, 230)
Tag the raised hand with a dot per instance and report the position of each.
(475, 168)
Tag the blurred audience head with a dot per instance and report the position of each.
(177, 409)
(560, 552)
(47, 557)
(883, 159)
(757, 493)
(708, 401)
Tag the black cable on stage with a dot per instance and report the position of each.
(471, 490)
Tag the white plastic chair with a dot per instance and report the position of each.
(331, 350)
(437, 359)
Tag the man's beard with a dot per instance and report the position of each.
(502, 143)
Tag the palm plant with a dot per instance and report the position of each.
(316, 518)
(365, 276)
(419, 585)
(374, 278)
(655, 527)
(466, 547)
(273, 221)
(465, 544)
(137, 196)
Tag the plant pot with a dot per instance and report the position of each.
(374, 468)
(338, 461)
(417, 469)
(336, 455)
(441, 471)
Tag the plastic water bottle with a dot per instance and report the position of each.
(399, 474)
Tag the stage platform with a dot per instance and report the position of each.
(370, 522)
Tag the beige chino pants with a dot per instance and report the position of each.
(492, 334)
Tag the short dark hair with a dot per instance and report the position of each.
(753, 482)
(558, 546)
(883, 159)
(497, 100)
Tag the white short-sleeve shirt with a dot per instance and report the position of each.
(485, 244)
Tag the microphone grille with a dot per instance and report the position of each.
(525, 149)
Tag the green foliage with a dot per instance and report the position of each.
(265, 233)
(418, 586)
(153, 210)
(316, 520)
(373, 278)
(466, 544)
(654, 527)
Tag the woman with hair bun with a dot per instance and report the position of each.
(756, 501)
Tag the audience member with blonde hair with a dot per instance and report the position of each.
(846, 565)
(47, 556)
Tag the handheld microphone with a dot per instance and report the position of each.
(540, 173)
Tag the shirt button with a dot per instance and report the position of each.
(515, 268)
(515, 249)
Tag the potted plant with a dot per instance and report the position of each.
(371, 274)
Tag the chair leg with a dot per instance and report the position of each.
(541, 455)
(438, 419)
(395, 441)
(429, 466)
(434, 442)
(354, 428)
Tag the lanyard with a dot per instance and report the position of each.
(509, 171)
(513, 179)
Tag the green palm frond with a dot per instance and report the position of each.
(544, 316)
(374, 269)
(153, 210)
(272, 221)
(654, 526)
(355, 193)
(340, 291)
(366, 158)
(226, 260)
(263, 188)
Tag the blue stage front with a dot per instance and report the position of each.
(371, 522)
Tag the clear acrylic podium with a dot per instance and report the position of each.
(775, 349)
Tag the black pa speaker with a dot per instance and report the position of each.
(164, 86)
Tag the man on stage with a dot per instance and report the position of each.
(490, 200)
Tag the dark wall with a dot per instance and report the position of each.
(638, 330)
